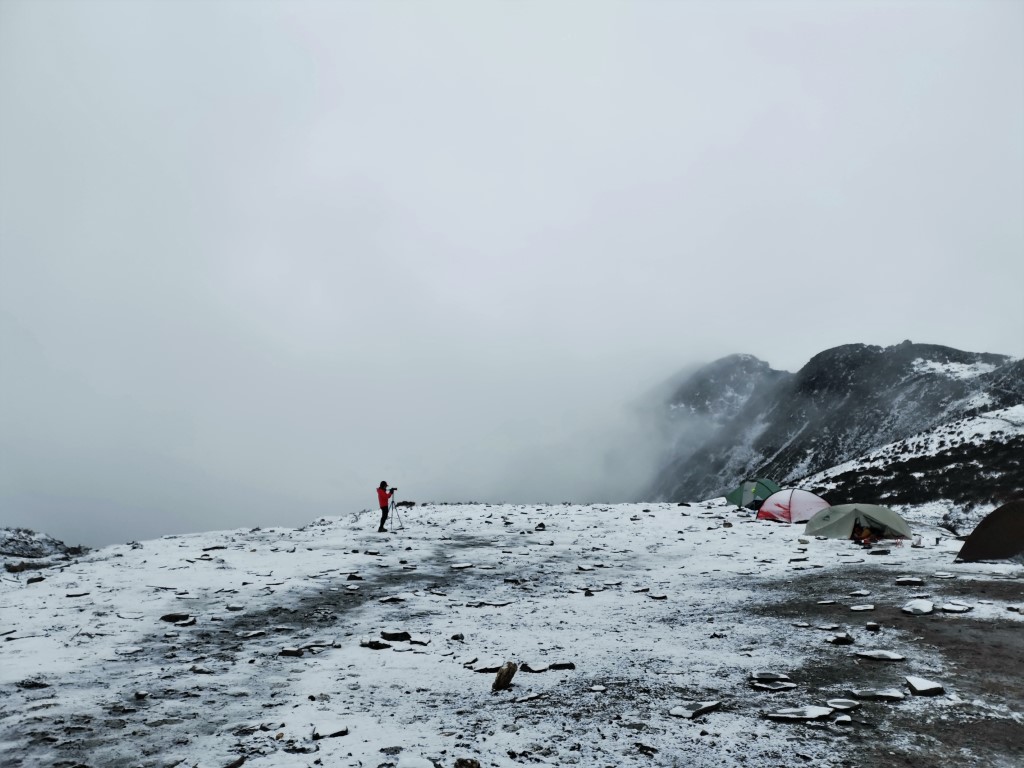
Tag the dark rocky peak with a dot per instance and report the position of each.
(751, 421)
(721, 389)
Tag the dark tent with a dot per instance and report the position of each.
(751, 493)
(1000, 536)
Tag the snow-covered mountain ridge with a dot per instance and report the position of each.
(847, 402)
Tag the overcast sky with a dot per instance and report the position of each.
(256, 257)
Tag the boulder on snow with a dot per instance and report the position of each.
(503, 680)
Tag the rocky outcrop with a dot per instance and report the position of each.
(747, 420)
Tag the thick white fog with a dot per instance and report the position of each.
(257, 257)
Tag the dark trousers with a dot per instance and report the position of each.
(383, 518)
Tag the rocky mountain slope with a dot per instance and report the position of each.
(745, 419)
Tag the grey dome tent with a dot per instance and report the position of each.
(750, 493)
(999, 536)
(838, 522)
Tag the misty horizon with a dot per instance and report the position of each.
(256, 258)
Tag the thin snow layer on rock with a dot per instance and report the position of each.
(216, 687)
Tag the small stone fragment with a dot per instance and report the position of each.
(767, 677)
(774, 686)
(845, 705)
(692, 709)
(880, 655)
(841, 638)
(503, 680)
(909, 581)
(921, 687)
(955, 608)
(872, 626)
(862, 608)
(329, 731)
(290, 652)
(395, 635)
(800, 713)
(877, 694)
(918, 607)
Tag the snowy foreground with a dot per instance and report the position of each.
(626, 612)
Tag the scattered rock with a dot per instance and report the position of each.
(560, 665)
(773, 686)
(692, 709)
(503, 680)
(767, 677)
(909, 581)
(921, 687)
(467, 762)
(396, 635)
(329, 731)
(877, 694)
(918, 607)
(844, 705)
(800, 714)
(374, 645)
(175, 617)
(880, 655)
(860, 593)
(955, 608)
(872, 626)
(862, 608)
(841, 638)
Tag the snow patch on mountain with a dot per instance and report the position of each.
(952, 369)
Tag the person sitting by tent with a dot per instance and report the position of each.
(863, 534)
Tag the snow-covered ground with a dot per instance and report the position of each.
(625, 611)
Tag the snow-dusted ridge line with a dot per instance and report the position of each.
(976, 429)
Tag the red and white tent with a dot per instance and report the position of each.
(791, 505)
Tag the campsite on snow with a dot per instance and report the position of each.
(651, 634)
(856, 601)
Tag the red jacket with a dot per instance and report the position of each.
(383, 496)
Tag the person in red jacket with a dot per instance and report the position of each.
(384, 498)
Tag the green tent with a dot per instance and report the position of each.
(838, 522)
(750, 491)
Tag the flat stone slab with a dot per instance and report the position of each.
(774, 686)
(909, 581)
(843, 705)
(767, 677)
(877, 694)
(921, 687)
(840, 638)
(872, 626)
(800, 714)
(863, 607)
(918, 607)
(801, 624)
(944, 575)
(880, 655)
(860, 593)
(692, 709)
(955, 608)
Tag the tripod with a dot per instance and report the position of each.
(392, 514)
